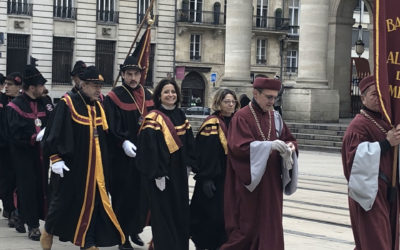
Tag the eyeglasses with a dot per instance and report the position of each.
(270, 97)
(229, 101)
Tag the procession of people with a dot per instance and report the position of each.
(99, 169)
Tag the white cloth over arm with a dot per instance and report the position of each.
(259, 154)
(290, 182)
(363, 181)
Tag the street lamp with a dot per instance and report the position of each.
(359, 46)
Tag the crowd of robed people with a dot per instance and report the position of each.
(121, 162)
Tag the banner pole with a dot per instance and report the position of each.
(136, 37)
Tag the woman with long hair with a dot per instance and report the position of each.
(207, 206)
(165, 152)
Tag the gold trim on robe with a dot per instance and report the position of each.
(156, 122)
(212, 127)
(95, 174)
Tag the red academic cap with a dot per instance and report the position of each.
(267, 83)
(366, 82)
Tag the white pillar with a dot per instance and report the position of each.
(311, 99)
(237, 43)
(313, 42)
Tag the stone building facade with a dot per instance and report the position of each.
(206, 55)
(59, 32)
(321, 92)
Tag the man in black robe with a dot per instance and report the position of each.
(2, 78)
(79, 67)
(126, 106)
(27, 117)
(12, 85)
(75, 141)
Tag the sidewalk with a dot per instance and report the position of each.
(315, 217)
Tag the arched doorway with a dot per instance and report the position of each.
(193, 88)
(340, 49)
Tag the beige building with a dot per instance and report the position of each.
(59, 32)
(321, 90)
(270, 45)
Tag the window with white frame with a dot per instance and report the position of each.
(195, 44)
(106, 11)
(262, 10)
(291, 61)
(19, 7)
(261, 51)
(195, 11)
(64, 9)
(294, 16)
(142, 6)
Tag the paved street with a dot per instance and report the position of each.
(315, 217)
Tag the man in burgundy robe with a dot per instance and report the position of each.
(367, 157)
(262, 164)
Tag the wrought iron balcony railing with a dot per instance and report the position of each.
(293, 31)
(200, 17)
(195, 58)
(261, 61)
(290, 70)
(141, 16)
(107, 16)
(64, 12)
(271, 23)
(18, 8)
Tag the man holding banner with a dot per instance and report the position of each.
(370, 145)
(367, 156)
(126, 106)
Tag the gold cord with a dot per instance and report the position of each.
(258, 123)
(133, 98)
(373, 121)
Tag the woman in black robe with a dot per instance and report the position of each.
(207, 206)
(165, 151)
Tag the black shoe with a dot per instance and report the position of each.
(12, 220)
(19, 226)
(126, 246)
(34, 234)
(6, 214)
(137, 240)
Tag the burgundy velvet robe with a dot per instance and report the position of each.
(253, 220)
(377, 228)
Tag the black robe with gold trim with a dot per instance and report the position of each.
(207, 214)
(30, 166)
(128, 199)
(76, 134)
(166, 151)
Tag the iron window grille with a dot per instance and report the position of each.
(64, 9)
(18, 47)
(105, 56)
(106, 11)
(19, 7)
(63, 50)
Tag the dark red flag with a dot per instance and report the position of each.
(142, 51)
(387, 59)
